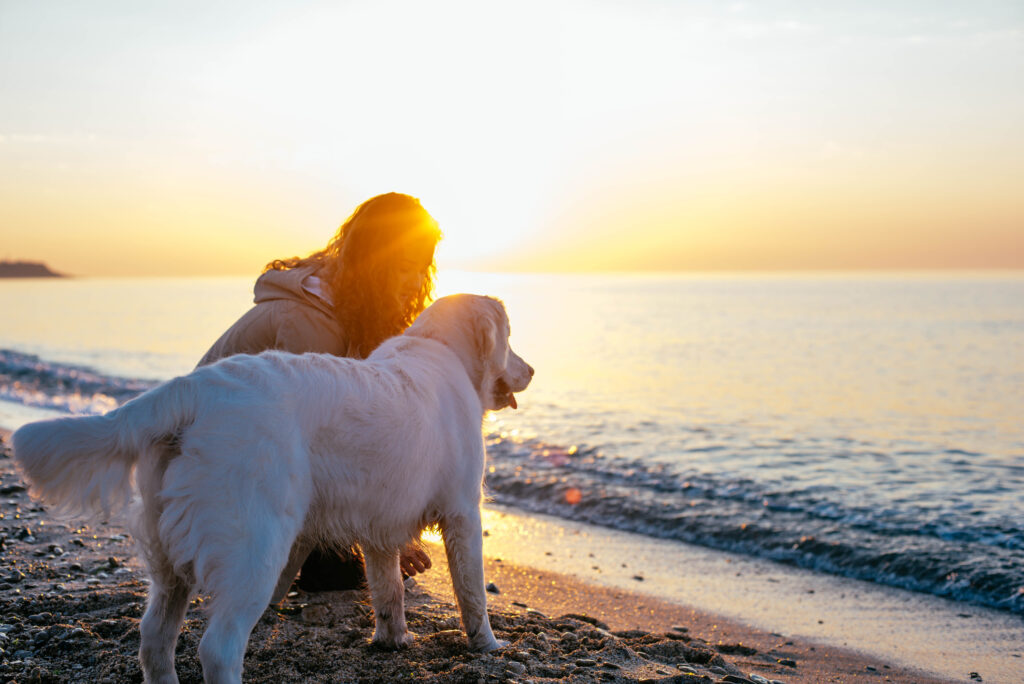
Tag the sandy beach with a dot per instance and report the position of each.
(71, 597)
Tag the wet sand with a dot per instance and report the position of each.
(774, 656)
(71, 597)
(899, 628)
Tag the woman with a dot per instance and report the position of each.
(370, 282)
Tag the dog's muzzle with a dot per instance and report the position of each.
(503, 394)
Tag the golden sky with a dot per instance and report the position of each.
(188, 137)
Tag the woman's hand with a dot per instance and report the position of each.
(413, 560)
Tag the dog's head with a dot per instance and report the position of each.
(476, 328)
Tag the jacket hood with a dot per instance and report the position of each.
(287, 284)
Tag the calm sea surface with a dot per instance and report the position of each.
(864, 425)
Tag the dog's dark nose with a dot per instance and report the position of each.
(531, 369)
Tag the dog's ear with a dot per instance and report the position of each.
(486, 334)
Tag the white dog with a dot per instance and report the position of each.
(243, 465)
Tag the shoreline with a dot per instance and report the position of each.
(917, 632)
(776, 657)
(641, 619)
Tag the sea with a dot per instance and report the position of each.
(867, 425)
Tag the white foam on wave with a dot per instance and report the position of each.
(14, 415)
(74, 403)
(34, 389)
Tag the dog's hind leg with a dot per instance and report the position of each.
(388, 593)
(463, 543)
(296, 557)
(165, 611)
(240, 577)
(222, 648)
(240, 591)
(169, 593)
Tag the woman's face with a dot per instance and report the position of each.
(411, 265)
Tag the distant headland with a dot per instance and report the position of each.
(27, 269)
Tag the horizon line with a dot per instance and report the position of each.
(610, 271)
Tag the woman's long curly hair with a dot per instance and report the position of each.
(360, 267)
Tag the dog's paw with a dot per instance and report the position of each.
(392, 643)
(492, 645)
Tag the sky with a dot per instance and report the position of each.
(188, 138)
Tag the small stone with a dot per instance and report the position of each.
(787, 662)
(586, 618)
(516, 667)
(493, 588)
(586, 662)
(759, 679)
(315, 614)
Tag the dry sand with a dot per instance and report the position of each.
(71, 598)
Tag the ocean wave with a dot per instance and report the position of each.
(944, 554)
(28, 380)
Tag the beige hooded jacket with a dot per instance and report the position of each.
(285, 317)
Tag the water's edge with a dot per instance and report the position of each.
(953, 554)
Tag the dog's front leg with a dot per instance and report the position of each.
(463, 542)
(388, 594)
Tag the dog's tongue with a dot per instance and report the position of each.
(512, 401)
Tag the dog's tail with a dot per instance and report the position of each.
(83, 466)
